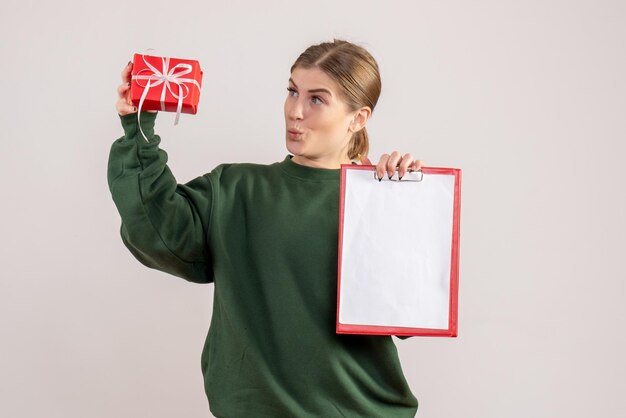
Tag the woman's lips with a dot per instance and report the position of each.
(294, 133)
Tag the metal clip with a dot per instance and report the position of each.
(411, 175)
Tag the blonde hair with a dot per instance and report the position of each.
(356, 73)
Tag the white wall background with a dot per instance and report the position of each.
(527, 97)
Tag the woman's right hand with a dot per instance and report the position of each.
(124, 106)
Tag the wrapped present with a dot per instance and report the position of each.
(166, 84)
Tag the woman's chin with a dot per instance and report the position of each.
(295, 148)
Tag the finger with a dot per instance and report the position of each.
(124, 108)
(416, 165)
(126, 72)
(405, 162)
(381, 166)
(392, 163)
(122, 90)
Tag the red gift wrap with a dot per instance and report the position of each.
(166, 84)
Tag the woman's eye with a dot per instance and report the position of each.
(316, 100)
(292, 92)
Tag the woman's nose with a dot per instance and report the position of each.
(295, 111)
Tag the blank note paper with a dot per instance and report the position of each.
(398, 255)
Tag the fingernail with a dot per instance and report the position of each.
(134, 109)
(380, 179)
(129, 83)
(390, 176)
(399, 178)
(129, 62)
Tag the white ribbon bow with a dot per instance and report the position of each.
(167, 77)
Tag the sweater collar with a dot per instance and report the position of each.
(308, 173)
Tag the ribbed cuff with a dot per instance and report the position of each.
(131, 125)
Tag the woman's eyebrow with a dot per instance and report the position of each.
(320, 90)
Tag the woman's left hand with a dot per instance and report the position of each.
(389, 163)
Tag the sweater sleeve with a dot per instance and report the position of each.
(164, 224)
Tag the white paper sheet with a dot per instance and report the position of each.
(396, 252)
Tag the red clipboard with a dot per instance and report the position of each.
(398, 267)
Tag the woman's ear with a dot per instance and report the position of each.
(360, 118)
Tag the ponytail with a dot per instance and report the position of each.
(359, 145)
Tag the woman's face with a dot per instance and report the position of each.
(317, 121)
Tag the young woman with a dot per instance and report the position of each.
(266, 236)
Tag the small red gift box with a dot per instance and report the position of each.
(167, 84)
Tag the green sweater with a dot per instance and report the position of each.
(266, 236)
